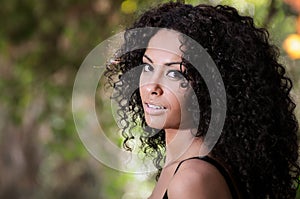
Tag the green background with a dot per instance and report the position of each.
(42, 45)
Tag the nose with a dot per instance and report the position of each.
(154, 89)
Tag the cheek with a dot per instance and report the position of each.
(180, 105)
(179, 99)
(175, 103)
(142, 92)
(142, 87)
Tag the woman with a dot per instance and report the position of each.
(256, 154)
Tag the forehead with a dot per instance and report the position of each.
(165, 44)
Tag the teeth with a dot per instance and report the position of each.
(155, 106)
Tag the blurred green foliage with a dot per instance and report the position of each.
(42, 45)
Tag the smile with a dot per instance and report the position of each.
(153, 109)
(153, 106)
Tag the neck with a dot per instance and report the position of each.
(181, 144)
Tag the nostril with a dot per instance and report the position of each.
(154, 93)
(154, 89)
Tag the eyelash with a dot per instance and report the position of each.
(147, 65)
(178, 74)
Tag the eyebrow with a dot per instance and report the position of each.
(167, 64)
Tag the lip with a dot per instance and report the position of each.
(153, 111)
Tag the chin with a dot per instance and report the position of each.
(155, 123)
(155, 126)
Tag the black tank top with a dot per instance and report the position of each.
(221, 169)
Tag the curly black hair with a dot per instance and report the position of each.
(259, 143)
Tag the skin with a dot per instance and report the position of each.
(160, 85)
(160, 88)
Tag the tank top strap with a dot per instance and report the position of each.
(225, 174)
(219, 167)
(196, 157)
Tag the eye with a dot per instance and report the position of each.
(175, 74)
(147, 67)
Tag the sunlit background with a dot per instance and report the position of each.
(42, 45)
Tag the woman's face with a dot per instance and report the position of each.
(164, 90)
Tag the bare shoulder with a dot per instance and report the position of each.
(198, 179)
